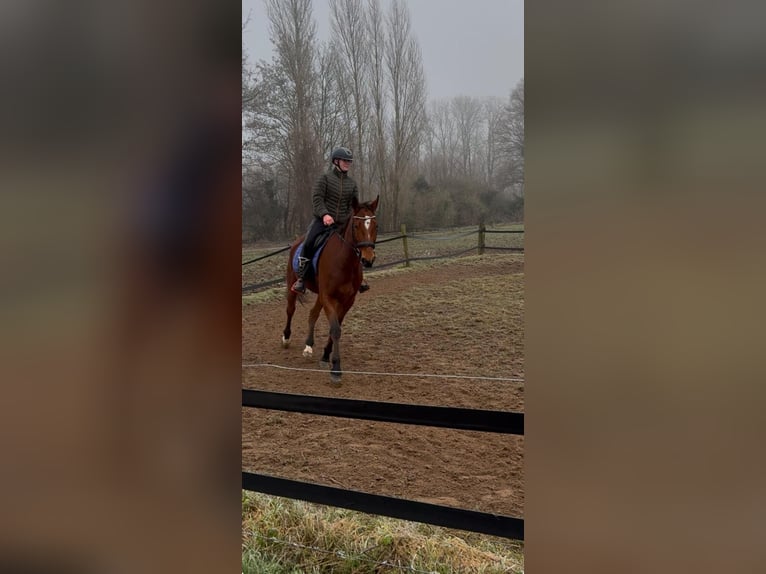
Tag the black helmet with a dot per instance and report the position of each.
(342, 153)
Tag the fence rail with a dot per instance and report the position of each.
(481, 231)
(446, 417)
(427, 513)
(267, 255)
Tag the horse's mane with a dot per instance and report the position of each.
(343, 230)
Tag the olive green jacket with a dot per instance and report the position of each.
(333, 192)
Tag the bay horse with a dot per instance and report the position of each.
(337, 279)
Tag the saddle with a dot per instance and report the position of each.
(319, 244)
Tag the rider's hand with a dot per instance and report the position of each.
(328, 220)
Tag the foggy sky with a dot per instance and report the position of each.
(469, 47)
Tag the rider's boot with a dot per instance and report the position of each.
(298, 286)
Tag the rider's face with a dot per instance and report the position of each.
(344, 165)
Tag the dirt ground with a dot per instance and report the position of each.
(458, 317)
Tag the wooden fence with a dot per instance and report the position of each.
(481, 247)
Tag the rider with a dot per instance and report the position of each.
(331, 199)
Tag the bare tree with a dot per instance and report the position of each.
(329, 113)
(510, 142)
(350, 35)
(271, 125)
(247, 102)
(344, 98)
(377, 90)
(492, 111)
(466, 111)
(407, 88)
(293, 33)
(442, 129)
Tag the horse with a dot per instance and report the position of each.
(337, 279)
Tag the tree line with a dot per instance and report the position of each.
(434, 164)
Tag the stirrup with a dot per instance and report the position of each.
(298, 287)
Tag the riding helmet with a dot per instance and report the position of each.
(342, 153)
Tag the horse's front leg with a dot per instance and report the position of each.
(313, 316)
(290, 311)
(327, 350)
(328, 347)
(335, 318)
(335, 372)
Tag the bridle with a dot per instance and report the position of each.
(356, 246)
(364, 243)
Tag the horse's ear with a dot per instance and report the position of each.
(374, 204)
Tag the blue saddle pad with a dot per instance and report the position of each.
(314, 260)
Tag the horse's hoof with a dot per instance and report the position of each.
(335, 379)
(285, 343)
(308, 351)
(325, 363)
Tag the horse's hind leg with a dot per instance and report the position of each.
(291, 297)
(313, 316)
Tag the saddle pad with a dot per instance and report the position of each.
(314, 261)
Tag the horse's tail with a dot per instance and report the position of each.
(289, 280)
(300, 297)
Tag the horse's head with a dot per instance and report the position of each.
(365, 229)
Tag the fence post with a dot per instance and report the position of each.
(404, 241)
(482, 228)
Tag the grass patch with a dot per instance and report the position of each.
(283, 536)
(273, 294)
